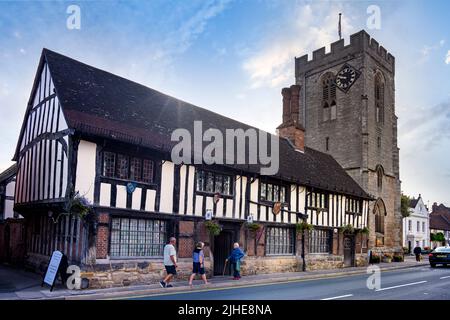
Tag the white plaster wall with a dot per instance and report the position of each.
(85, 178)
(166, 200)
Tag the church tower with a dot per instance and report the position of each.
(347, 108)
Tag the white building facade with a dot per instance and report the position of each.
(416, 227)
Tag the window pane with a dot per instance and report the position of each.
(279, 241)
(218, 186)
(135, 169)
(263, 191)
(275, 193)
(209, 182)
(109, 163)
(147, 171)
(269, 192)
(227, 185)
(200, 180)
(122, 166)
(137, 237)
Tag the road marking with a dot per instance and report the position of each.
(401, 285)
(145, 295)
(338, 297)
(444, 277)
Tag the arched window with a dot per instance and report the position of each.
(379, 98)
(326, 112)
(328, 97)
(379, 211)
(380, 173)
(333, 111)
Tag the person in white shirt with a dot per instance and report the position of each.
(170, 263)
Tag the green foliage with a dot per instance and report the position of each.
(439, 237)
(375, 258)
(213, 228)
(303, 226)
(348, 229)
(404, 206)
(253, 227)
(78, 205)
(398, 258)
(364, 230)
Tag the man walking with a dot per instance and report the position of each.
(417, 252)
(170, 263)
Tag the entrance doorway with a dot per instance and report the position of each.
(349, 251)
(223, 244)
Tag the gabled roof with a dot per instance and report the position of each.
(439, 222)
(99, 103)
(413, 203)
(8, 173)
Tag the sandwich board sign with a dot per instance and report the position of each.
(53, 269)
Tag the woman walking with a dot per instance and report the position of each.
(235, 260)
(198, 265)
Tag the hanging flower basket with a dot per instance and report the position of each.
(303, 226)
(213, 228)
(253, 227)
(364, 230)
(348, 229)
(78, 206)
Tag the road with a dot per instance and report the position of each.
(420, 283)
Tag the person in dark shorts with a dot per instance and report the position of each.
(198, 264)
(170, 263)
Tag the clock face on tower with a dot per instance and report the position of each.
(346, 77)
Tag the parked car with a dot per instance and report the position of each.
(440, 255)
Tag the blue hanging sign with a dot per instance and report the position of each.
(131, 186)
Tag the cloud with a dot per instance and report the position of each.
(273, 64)
(427, 127)
(180, 40)
(447, 57)
(427, 50)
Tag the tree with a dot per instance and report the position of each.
(404, 208)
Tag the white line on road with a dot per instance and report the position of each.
(401, 285)
(444, 277)
(338, 297)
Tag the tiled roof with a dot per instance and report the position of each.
(8, 173)
(105, 105)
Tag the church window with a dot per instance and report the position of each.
(329, 107)
(379, 99)
(379, 212)
(327, 143)
(333, 111)
(380, 173)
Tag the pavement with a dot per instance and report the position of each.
(422, 283)
(16, 284)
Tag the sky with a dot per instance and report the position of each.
(234, 56)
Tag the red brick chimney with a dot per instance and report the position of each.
(291, 128)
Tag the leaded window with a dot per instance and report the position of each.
(120, 166)
(279, 241)
(329, 108)
(272, 192)
(317, 200)
(137, 237)
(213, 182)
(109, 164)
(320, 241)
(353, 205)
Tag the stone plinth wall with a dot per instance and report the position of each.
(260, 265)
(118, 274)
